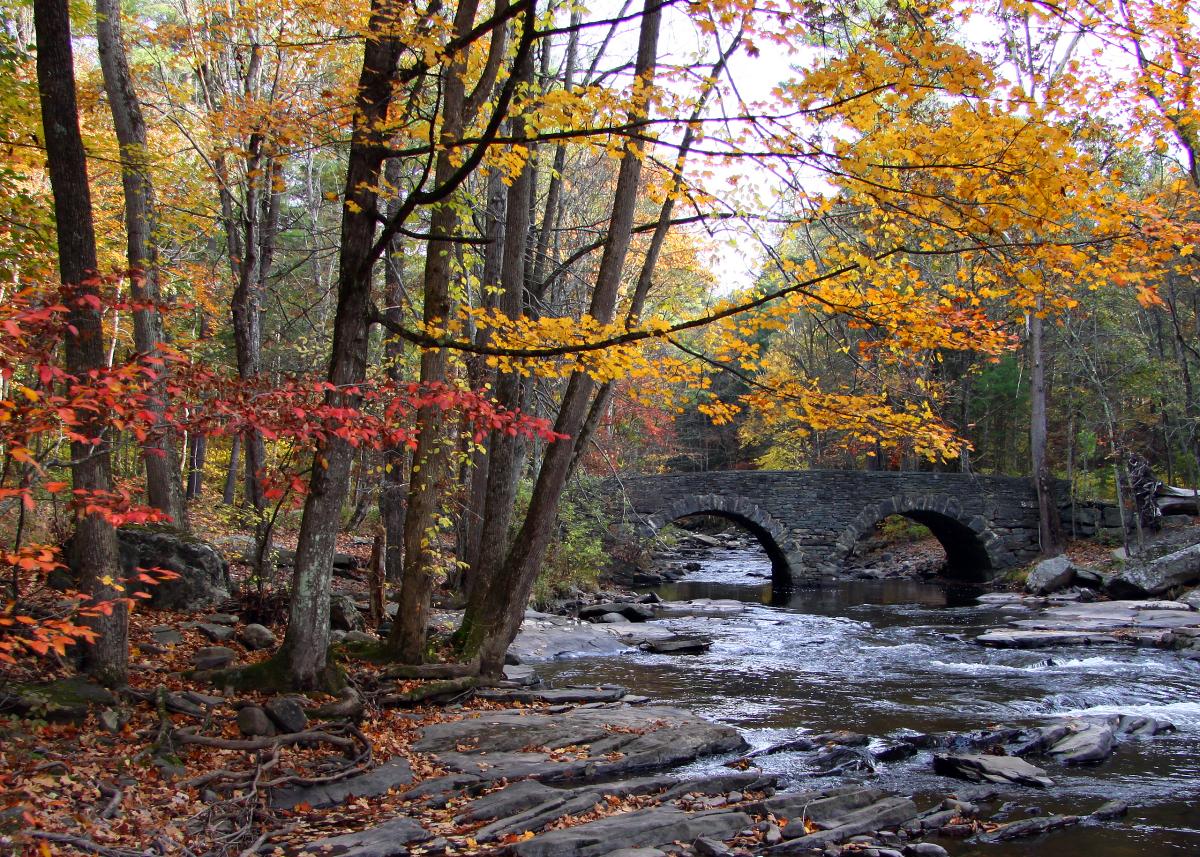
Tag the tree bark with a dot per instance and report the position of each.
(490, 627)
(95, 542)
(1048, 516)
(164, 487)
(306, 643)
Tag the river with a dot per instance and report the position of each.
(882, 657)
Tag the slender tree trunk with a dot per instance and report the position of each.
(95, 542)
(1048, 515)
(489, 628)
(163, 484)
(229, 493)
(306, 643)
(395, 469)
(430, 459)
(197, 452)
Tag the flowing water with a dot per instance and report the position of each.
(883, 657)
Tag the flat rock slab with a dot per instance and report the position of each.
(394, 773)
(557, 696)
(646, 828)
(1087, 743)
(541, 640)
(1026, 639)
(1028, 827)
(978, 768)
(389, 839)
(523, 744)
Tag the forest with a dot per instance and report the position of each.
(423, 281)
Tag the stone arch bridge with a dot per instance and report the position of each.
(809, 521)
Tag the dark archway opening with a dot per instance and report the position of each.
(908, 535)
(781, 575)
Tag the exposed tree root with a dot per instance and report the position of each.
(439, 691)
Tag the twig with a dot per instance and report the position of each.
(86, 844)
(115, 796)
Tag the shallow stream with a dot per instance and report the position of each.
(879, 657)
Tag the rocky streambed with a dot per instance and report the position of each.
(714, 716)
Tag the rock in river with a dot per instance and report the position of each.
(979, 768)
(618, 741)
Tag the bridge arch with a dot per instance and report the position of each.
(771, 535)
(974, 551)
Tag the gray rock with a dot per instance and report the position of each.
(629, 610)
(677, 645)
(222, 618)
(1050, 575)
(392, 774)
(521, 675)
(1087, 743)
(287, 713)
(167, 636)
(1110, 811)
(213, 657)
(925, 849)
(438, 787)
(613, 619)
(389, 839)
(1028, 827)
(540, 641)
(253, 721)
(1191, 598)
(255, 637)
(203, 575)
(719, 784)
(1157, 576)
(216, 633)
(705, 847)
(636, 852)
(557, 696)
(653, 827)
(343, 614)
(979, 768)
(1026, 639)
(518, 744)
(359, 637)
(511, 800)
(885, 813)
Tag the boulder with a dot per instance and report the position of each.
(1191, 598)
(253, 721)
(203, 575)
(677, 645)
(216, 633)
(390, 839)
(287, 713)
(1157, 576)
(978, 768)
(213, 658)
(1050, 575)
(1087, 743)
(255, 637)
(66, 700)
(632, 611)
(343, 614)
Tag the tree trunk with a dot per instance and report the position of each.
(95, 541)
(1048, 516)
(163, 484)
(228, 494)
(491, 626)
(395, 469)
(306, 643)
(430, 458)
